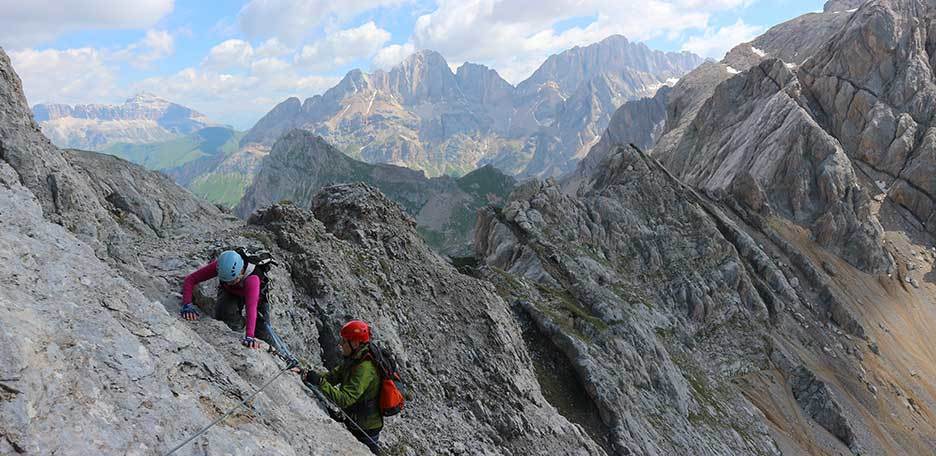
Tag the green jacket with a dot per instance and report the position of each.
(355, 387)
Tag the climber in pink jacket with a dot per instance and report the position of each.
(240, 288)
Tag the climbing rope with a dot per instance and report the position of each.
(279, 349)
(241, 404)
(321, 397)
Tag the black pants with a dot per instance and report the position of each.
(371, 438)
(229, 307)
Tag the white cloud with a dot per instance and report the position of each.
(229, 54)
(292, 20)
(715, 43)
(155, 45)
(343, 47)
(273, 47)
(239, 99)
(66, 76)
(28, 23)
(510, 35)
(393, 54)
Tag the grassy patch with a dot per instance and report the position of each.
(225, 189)
(179, 151)
(568, 311)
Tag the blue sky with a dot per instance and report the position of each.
(234, 60)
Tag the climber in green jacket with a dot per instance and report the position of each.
(354, 385)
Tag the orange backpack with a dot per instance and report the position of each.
(391, 395)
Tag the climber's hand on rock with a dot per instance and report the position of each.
(189, 312)
(251, 342)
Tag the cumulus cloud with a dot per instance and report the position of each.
(273, 47)
(292, 20)
(64, 76)
(229, 54)
(715, 43)
(393, 54)
(236, 98)
(155, 45)
(25, 24)
(511, 34)
(343, 47)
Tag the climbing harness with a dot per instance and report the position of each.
(230, 412)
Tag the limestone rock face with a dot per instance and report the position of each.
(597, 270)
(759, 124)
(694, 322)
(874, 83)
(91, 365)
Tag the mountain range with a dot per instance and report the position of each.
(422, 115)
(742, 264)
(143, 118)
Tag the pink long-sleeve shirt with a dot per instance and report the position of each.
(249, 289)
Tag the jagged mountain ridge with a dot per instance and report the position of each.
(302, 163)
(420, 114)
(734, 332)
(809, 141)
(143, 118)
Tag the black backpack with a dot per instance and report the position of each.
(262, 260)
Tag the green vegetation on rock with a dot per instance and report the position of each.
(177, 152)
(225, 189)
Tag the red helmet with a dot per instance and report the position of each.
(356, 330)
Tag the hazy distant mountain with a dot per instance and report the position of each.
(144, 118)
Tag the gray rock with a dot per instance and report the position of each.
(819, 400)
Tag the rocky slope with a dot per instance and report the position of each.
(809, 166)
(422, 115)
(95, 360)
(302, 163)
(144, 118)
(694, 323)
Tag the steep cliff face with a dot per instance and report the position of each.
(692, 324)
(797, 171)
(874, 87)
(756, 139)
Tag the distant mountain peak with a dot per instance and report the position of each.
(142, 118)
(142, 97)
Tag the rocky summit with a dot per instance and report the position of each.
(741, 265)
(423, 115)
